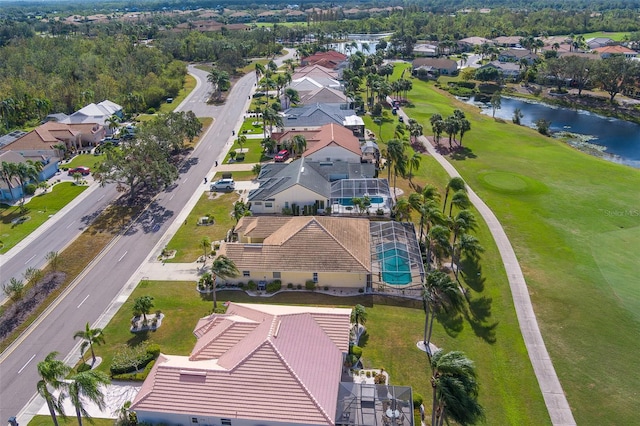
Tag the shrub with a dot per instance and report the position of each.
(274, 286)
(310, 285)
(356, 350)
(30, 189)
(151, 110)
(240, 156)
(83, 367)
(252, 285)
(290, 285)
(131, 359)
(380, 379)
(417, 400)
(299, 286)
(368, 374)
(326, 288)
(361, 290)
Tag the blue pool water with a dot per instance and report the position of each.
(349, 201)
(396, 269)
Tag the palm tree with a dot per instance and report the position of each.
(455, 389)
(467, 245)
(451, 127)
(402, 210)
(142, 306)
(460, 199)
(205, 243)
(240, 210)
(292, 96)
(455, 184)
(437, 126)
(86, 385)
(259, 72)
(438, 243)
(52, 373)
(440, 294)
(112, 123)
(8, 174)
(90, 337)
(429, 215)
(222, 267)
(413, 163)
(358, 315)
(463, 222)
(395, 156)
(298, 144)
(25, 172)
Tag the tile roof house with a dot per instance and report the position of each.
(517, 55)
(42, 139)
(607, 51)
(331, 142)
(330, 59)
(302, 183)
(507, 69)
(351, 252)
(470, 42)
(594, 42)
(252, 365)
(507, 41)
(314, 71)
(311, 117)
(322, 95)
(434, 66)
(309, 83)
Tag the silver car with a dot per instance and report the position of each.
(223, 185)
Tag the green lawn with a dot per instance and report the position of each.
(254, 153)
(613, 36)
(237, 176)
(249, 128)
(570, 219)
(86, 160)
(70, 421)
(39, 209)
(187, 240)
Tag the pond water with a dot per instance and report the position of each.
(618, 140)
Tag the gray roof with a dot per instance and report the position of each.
(10, 137)
(316, 115)
(316, 176)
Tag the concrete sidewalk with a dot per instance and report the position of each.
(554, 397)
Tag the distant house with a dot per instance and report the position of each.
(295, 16)
(517, 55)
(607, 51)
(323, 95)
(315, 71)
(46, 136)
(305, 183)
(508, 70)
(330, 59)
(425, 49)
(308, 84)
(314, 116)
(469, 43)
(596, 42)
(434, 67)
(13, 192)
(507, 41)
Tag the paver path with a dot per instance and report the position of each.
(554, 397)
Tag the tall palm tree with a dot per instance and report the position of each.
(460, 199)
(90, 337)
(461, 223)
(358, 315)
(438, 243)
(222, 267)
(440, 294)
(292, 96)
(86, 386)
(259, 72)
(52, 373)
(8, 175)
(437, 126)
(455, 184)
(402, 210)
(451, 127)
(429, 215)
(455, 389)
(205, 243)
(395, 155)
(25, 173)
(469, 246)
(413, 163)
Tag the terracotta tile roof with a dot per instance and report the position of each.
(334, 134)
(271, 366)
(314, 70)
(338, 245)
(612, 50)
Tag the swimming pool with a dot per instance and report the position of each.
(349, 201)
(394, 265)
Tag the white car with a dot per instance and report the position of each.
(222, 185)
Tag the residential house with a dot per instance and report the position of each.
(469, 43)
(517, 55)
(370, 152)
(42, 140)
(309, 84)
(314, 71)
(426, 49)
(434, 67)
(331, 142)
(296, 16)
(508, 70)
(250, 366)
(330, 59)
(330, 251)
(323, 95)
(507, 41)
(607, 51)
(596, 42)
(12, 191)
(312, 117)
(303, 183)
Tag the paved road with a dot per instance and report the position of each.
(100, 283)
(554, 397)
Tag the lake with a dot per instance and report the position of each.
(618, 140)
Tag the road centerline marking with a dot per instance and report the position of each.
(83, 300)
(27, 363)
(122, 257)
(30, 259)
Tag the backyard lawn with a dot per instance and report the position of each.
(39, 209)
(70, 421)
(86, 160)
(570, 219)
(254, 153)
(187, 240)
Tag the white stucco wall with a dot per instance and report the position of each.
(334, 153)
(329, 279)
(296, 194)
(170, 419)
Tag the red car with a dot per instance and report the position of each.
(84, 171)
(281, 156)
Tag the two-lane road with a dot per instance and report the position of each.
(92, 292)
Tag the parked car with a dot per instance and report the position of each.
(84, 171)
(281, 156)
(401, 119)
(222, 185)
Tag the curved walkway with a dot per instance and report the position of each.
(554, 398)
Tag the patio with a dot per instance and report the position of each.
(362, 404)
